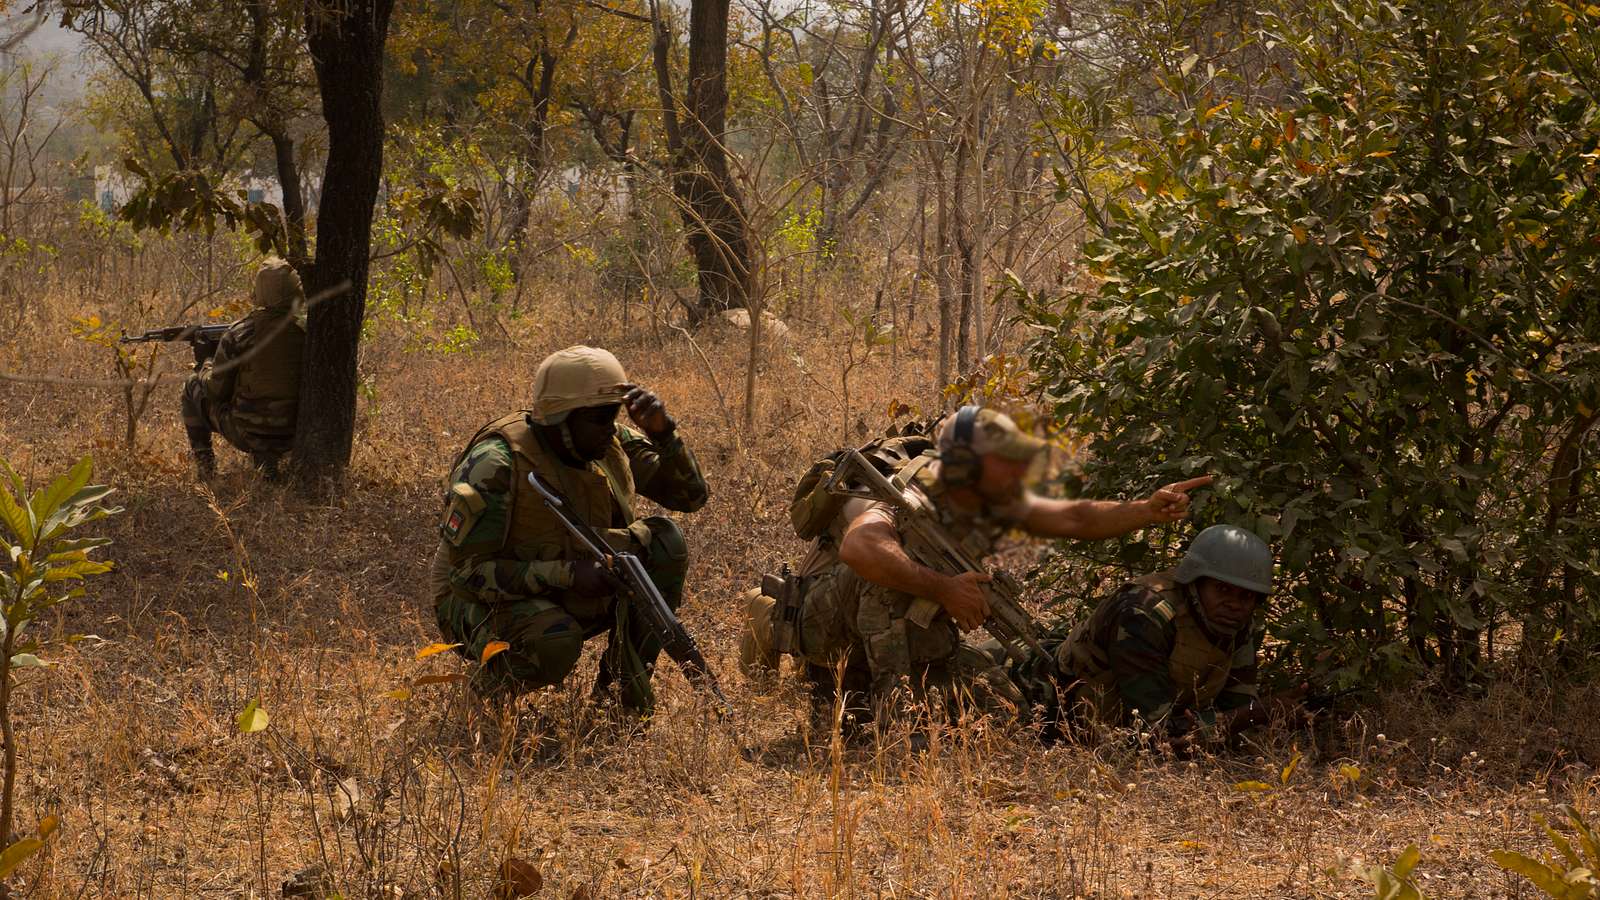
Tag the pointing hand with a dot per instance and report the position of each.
(1171, 503)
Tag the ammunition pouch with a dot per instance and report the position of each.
(788, 590)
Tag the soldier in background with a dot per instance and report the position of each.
(506, 570)
(247, 386)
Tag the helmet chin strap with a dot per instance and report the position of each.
(566, 440)
(1193, 590)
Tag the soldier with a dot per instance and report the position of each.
(1173, 651)
(247, 385)
(506, 570)
(860, 585)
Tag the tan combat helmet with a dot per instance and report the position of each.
(573, 379)
(277, 284)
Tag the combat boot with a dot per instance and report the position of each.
(825, 689)
(267, 464)
(205, 459)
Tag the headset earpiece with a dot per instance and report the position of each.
(959, 464)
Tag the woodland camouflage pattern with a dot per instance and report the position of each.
(485, 588)
(249, 390)
(845, 616)
(1126, 650)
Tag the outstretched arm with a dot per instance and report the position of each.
(1091, 520)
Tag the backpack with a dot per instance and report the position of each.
(813, 509)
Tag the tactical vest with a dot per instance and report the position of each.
(601, 495)
(976, 535)
(1198, 668)
(266, 395)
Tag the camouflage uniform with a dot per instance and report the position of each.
(505, 563)
(1145, 657)
(249, 390)
(887, 638)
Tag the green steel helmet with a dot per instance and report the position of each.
(1228, 553)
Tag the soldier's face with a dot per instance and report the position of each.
(1226, 605)
(591, 429)
(1001, 479)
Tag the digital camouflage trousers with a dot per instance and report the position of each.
(546, 633)
(845, 619)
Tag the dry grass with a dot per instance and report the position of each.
(317, 609)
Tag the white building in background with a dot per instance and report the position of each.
(114, 186)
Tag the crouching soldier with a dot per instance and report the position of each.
(891, 623)
(247, 385)
(1171, 653)
(506, 569)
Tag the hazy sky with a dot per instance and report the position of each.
(51, 39)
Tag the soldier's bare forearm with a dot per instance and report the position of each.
(1086, 520)
(874, 552)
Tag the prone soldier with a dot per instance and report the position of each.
(1172, 653)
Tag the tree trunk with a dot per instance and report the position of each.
(713, 212)
(8, 736)
(942, 280)
(294, 205)
(346, 38)
(961, 239)
(538, 80)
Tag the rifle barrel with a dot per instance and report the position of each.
(628, 575)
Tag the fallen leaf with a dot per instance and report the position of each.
(435, 649)
(517, 878)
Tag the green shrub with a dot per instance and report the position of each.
(1371, 312)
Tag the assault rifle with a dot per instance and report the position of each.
(928, 543)
(627, 574)
(202, 338)
(206, 334)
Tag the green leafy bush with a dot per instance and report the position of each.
(1371, 311)
(44, 562)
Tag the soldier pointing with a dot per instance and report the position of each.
(859, 585)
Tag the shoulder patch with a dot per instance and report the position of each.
(465, 507)
(1165, 609)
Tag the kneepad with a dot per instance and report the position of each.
(546, 648)
(662, 541)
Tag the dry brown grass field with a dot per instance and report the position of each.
(247, 590)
